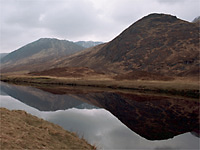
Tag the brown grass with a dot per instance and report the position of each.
(181, 87)
(19, 130)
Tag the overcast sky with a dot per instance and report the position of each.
(24, 21)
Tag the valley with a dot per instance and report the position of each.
(153, 54)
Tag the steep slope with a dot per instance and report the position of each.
(88, 44)
(39, 52)
(157, 43)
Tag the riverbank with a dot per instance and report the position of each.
(20, 130)
(179, 87)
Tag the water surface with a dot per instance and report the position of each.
(98, 117)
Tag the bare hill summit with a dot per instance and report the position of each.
(157, 43)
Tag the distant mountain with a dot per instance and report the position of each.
(197, 19)
(3, 55)
(38, 53)
(157, 43)
(88, 44)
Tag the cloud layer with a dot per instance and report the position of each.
(23, 21)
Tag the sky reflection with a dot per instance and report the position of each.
(100, 127)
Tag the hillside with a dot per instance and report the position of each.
(37, 53)
(19, 130)
(157, 43)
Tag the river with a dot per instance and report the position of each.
(111, 120)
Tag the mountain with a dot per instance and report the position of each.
(196, 20)
(157, 43)
(3, 55)
(38, 53)
(88, 44)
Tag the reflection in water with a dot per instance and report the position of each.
(41, 100)
(152, 117)
(143, 116)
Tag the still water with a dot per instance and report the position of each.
(112, 120)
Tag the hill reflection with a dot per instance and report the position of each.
(153, 117)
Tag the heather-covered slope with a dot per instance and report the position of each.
(157, 43)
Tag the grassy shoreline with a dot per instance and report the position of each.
(20, 130)
(175, 87)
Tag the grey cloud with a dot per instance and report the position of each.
(73, 19)
(25, 15)
(170, 1)
(100, 20)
